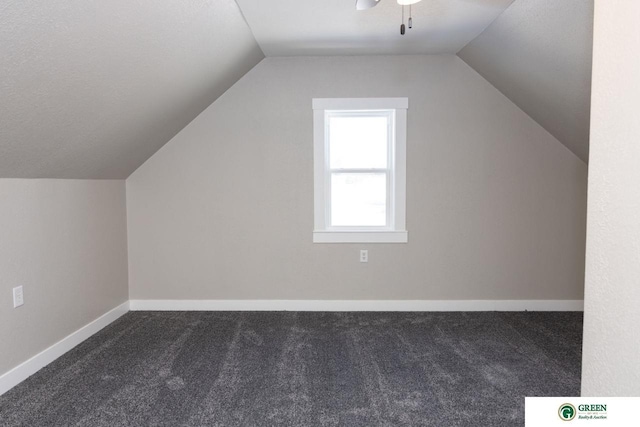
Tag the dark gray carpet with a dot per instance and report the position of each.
(305, 369)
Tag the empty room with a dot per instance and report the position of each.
(319, 212)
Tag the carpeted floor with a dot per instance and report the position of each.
(305, 369)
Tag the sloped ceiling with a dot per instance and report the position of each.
(91, 89)
(538, 53)
(334, 27)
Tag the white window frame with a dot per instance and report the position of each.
(395, 230)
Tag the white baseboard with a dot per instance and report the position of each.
(356, 305)
(23, 371)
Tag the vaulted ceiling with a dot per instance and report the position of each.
(92, 89)
(538, 53)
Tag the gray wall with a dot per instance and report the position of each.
(65, 242)
(611, 342)
(496, 205)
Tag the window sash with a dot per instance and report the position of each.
(389, 170)
(388, 225)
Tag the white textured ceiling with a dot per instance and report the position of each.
(334, 27)
(91, 89)
(538, 53)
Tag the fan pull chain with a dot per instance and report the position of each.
(410, 18)
(402, 30)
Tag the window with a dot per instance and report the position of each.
(359, 177)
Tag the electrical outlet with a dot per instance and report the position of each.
(18, 297)
(364, 255)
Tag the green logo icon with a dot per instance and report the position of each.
(567, 412)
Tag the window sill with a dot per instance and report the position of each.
(360, 237)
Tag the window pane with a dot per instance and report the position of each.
(358, 142)
(359, 199)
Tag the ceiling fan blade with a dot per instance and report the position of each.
(366, 4)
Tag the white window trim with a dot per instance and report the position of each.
(397, 233)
